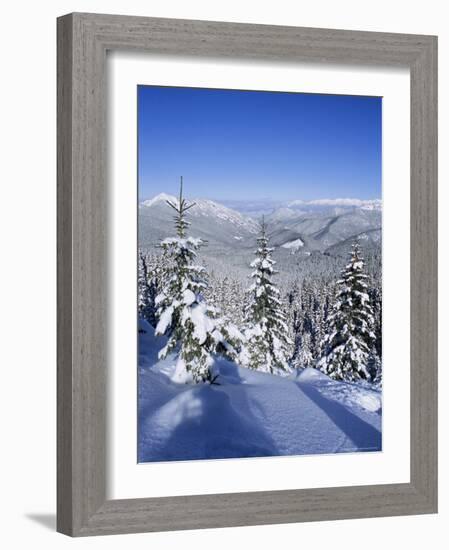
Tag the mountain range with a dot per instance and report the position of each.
(299, 228)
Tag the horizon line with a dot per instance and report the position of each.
(264, 199)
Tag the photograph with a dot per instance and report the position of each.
(259, 274)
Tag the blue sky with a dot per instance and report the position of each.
(244, 145)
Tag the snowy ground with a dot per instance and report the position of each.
(248, 413)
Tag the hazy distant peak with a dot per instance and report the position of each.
(162, 197)
(369, 204)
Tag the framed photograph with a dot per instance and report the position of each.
(247, 274)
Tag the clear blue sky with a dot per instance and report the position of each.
(231, 144)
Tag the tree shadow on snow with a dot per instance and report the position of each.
(222, 425)
(364, 436)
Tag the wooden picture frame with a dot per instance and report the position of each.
(83, 40)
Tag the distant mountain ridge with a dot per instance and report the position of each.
(204, 208)
(256, 207)
(296, 228)
(369, 204)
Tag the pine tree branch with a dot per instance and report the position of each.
(175, 207)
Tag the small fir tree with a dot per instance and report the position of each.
(143, 287)
(193, 328)
(377, 379)
(375, 368)
(266, 331)
(350, 335)
(148, 285)
(376, 302)
(303, 358)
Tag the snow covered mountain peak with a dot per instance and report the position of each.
(162, 197)
(208, 210)
(207, 207)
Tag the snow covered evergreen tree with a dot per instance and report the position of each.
(236, 302)
(303, 357)
(377, 362)
(375, 368)
(148, 284)
(376, 302)
(293, 320)
(350, 335)
(193, 328)
(143, 288)
(266, 330)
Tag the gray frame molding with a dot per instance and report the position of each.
(83, 40)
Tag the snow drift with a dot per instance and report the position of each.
(247, 413)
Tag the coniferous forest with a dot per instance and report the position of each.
(331, 323)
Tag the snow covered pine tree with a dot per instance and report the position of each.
(266, 331)
(191, 325)
(350, 338)
(147, 291)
